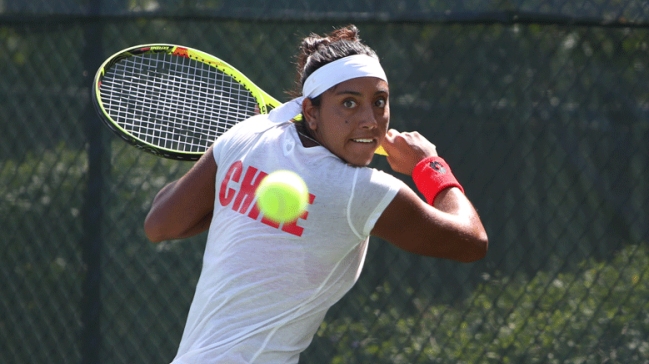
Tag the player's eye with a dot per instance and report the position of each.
(349, 103)
(380, 102)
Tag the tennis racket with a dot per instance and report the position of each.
(174, 101)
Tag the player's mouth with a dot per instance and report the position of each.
(364, 141)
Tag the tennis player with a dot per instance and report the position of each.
(265, 287)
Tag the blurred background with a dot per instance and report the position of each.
(541, 107)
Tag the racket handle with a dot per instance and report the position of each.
(380, 151)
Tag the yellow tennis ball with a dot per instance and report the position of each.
(282, 196)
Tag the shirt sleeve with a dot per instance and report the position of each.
(372, 192)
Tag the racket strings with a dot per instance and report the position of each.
(174, 102)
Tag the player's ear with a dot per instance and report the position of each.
(310, 113)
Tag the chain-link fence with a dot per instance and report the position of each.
(541, 108)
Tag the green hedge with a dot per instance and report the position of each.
(599, 313)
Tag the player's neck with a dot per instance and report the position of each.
(307, 140)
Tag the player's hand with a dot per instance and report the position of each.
(407, 149)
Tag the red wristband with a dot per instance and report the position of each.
(432, 175)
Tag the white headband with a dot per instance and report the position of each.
(326, 77)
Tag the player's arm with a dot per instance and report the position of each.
(183, 208)
(450, 228)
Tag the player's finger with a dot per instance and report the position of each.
(389, 139)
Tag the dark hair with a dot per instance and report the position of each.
(317, 51)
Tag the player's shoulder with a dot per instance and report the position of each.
(241, 135)
(376, 176)
(253, 124)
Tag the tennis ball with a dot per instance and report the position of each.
(282, 196)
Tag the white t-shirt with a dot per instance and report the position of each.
(264, 289)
